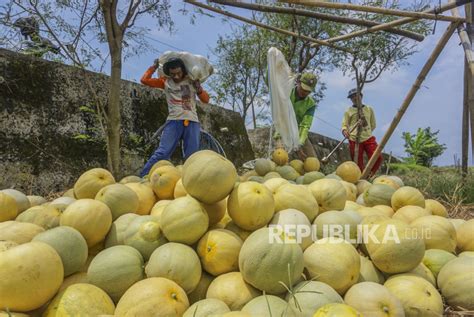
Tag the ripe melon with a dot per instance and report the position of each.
(245, 176)
(360, 200)
(333, 176)
(308, 296)
(176, 262)
(76, 278)
(435, 259)
(259, 179)
(342, 224)
(407, 196)
(287, 172)
(216, 211)
(251, 205)
(350, 205)
(179, 190)
(298, 165)
(159, 207)
(362, 185)
(206, 307)
(387, 210)
(294, 223)
(30, 275)
(372, 299)
(336, 310)
(289, 196)
(36, 200)
(159, 164)
(61, 203)
(456, 282)
(311, 164)
(243, 234)
(208, 176)
(184, 220)
(144, 233)
(368, 272)
(408, 214)
(131, 179)
(91, 181)
(418, 296)
(280, 156)
(398, 180)
(80, 300)
(266, 305)
(263, 167)
(8, 207)
(18, 232)
(370, 211)
(437, 232)
(69, 193)
(200, 291)
(329, 193)
(273, 183)
(424, 272)
(117, 230)
(69, 244)
(378, 194)
(7, 244)
(163, 181)
(456, 222)
(232, 290)
(219, 250)
(436, 208)
(333, 261)
(387, 180)
(119, 198)
(22, 201)
(46, 217)
(351, 191)
(265, 263)
(310, 177)
(155, 296)
(269, 176)
(465, 236)
(392, 248)
(115, 269)
(349, 172)
(90, 217)
(146, 197)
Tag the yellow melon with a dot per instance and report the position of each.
(117, 230)
(280, 156)
(333, 261)
(184, 220)
(424, 272)
(159, 164)
(370, 211)
(456, 222)
(362, 185)
(387, 180)
(208, 176)
(350, 205)
(219, 251)
(200, 291)
(435, 259)
(80, 299)
(407, 196)
(30, 275)
(436, 208)
(336, 310)
(290, 196)
(90, 217)
(437, 232)
(232, 290)
(303, 302)
(418, 296)
(408, 214)
(155, 296)
(266, 305)
(329, 193)
(372, 299)
(456, 282)
(146, 197)
(119, 198)
(144, 233)
(18, 232)
(179, 190)
(158, 208)
(298, 165)
(342, 224)
(46, 217)
(7, 244)
(311, 164)
(349, 171)
(368, 272)
(163, 181)
(207, 307)
(131, 179)
(36, 200)
(8, 207)
(465, 236)
(273, 183)
(293, 222)
(351, 191)
(22, 201)
(216, 211)
(387, 210)
(76, 278)
(243, 234)
(250, 205)
(91, 181)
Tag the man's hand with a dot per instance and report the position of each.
(301, 154)
(197, 86)
(156, 63)
(345, 133)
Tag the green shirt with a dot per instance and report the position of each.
(351, 118)
(304, 111)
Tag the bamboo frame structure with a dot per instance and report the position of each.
(411, 94)
(465, 40)
(317, 15)
(382, 27)
(362, 8)
(268, 27)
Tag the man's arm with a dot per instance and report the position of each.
(152, 82)
(305, 125)
(345, 124)
(201, 93)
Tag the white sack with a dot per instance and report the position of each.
(198, 66)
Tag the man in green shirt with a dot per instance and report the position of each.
(304, 106)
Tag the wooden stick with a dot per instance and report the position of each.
(470, 31)
(317, 15)
(268, 27)
(411, 94)
(365, 8)
(398, 22)
(465, 40)
(465, 122)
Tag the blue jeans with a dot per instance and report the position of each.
(173, 132)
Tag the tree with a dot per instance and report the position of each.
(423, 147)
(81, 29)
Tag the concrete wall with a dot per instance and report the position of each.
(49, 132)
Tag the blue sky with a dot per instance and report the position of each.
(438, 104)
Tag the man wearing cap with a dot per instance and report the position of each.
(304, 106)
(350, 129)
(182, 122)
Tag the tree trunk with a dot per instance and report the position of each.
(253, 117)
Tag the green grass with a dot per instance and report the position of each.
(444, 183)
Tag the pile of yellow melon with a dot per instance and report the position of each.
(198, 240)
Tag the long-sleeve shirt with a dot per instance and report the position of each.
(304, 111)
(181, 97)
(350, 120)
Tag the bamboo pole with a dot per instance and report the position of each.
(317, 15)
(465, 123)
(470, 32)
(381, 27)
(268, 27)
(411, 94)
(465, 40)
(365, 8)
